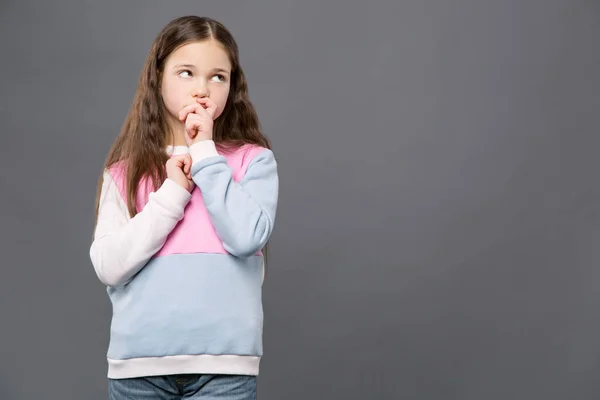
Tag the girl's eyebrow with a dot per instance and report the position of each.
(193, 66)
(184, 66)
(221, 70)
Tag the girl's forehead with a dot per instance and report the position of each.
(208, 53)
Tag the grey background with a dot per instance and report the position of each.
(439, 224)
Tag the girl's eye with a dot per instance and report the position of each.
(220, 78)
(187, 71)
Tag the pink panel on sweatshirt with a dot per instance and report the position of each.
(195, 233)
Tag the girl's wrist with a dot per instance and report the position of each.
(203, 149)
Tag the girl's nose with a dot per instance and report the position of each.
(201, 92)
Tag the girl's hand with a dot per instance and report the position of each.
(198, 119)
(178, 170)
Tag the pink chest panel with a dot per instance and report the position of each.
(195, 233)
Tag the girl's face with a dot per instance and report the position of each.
(195, 70)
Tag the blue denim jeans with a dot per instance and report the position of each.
(175, 387)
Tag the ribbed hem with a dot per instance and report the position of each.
(185, 364)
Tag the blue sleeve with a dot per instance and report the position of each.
(242, 213)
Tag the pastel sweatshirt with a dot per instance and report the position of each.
(185, 275)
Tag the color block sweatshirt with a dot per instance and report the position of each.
(184, 275)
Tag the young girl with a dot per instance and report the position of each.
(186, 204)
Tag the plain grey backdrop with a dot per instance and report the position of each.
(438, 234)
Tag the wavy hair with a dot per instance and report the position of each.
(145, 132)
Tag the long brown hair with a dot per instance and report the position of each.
(145, 132)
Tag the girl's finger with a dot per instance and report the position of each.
(192, 126)
(187, 165)
(186, 110)
(211, 106)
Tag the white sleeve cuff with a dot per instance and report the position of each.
(203, 149)
(171, 193)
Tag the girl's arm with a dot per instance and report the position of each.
(123, 245)
(242, 213)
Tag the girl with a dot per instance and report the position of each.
(185, 206)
